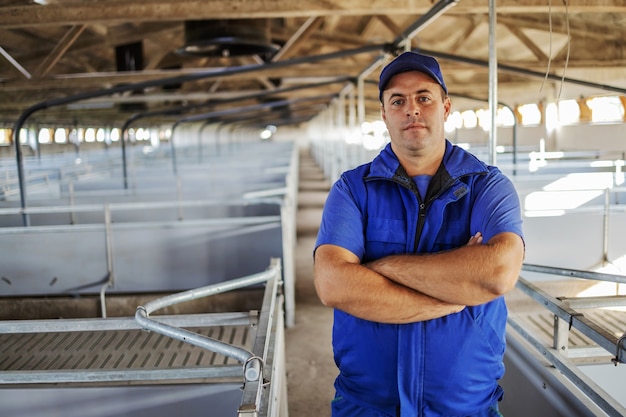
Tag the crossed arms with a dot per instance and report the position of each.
(412, 287)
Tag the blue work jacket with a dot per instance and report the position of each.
(443, 367)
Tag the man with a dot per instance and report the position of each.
(415, 252)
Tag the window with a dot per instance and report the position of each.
(606, 109)
(115, 134)
(484, 119)
(4, 136)
(44, 136)
(531, 115)
(505, 117)
(455, 121)
(60, 136)
(470, 121)
(90, 135)
(569, 112)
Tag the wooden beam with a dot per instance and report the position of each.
(104, 11)
(463, 34)
(302, 34)
(394, 29)
(59, 50)
(577, 27)
(532, 46)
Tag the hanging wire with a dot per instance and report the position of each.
(550, 45)
(569, 43)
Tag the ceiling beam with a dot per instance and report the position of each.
(586, 30)
(115, 11)
(59, 50)
(302, 34)
(527, 42)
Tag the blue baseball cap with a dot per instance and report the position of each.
(410, 61)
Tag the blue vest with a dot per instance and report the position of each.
(444, 367)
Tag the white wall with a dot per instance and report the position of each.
(606, 136)
(582, 137)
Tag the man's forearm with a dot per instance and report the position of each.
(470, 275)
(397, 304)
(343, 283)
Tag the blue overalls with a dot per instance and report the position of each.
(447, 367)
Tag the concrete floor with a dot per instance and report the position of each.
(311, 370)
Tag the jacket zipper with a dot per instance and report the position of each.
(421, 220)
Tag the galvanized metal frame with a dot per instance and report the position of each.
(258, 367)
(566, 318)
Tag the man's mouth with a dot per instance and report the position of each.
(414, 126)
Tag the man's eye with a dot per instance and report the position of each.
(424, 99)
(397, 102)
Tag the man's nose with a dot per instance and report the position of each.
(412, 108)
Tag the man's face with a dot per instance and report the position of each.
(414, 110)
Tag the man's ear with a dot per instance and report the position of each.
(447, 104)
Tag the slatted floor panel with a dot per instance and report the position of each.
(542, 324)
(111, 350)
(538, 321)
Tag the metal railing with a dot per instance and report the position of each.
(568, 316)
(285, 197)
(252, 363)
(250, 223)
(258, 366)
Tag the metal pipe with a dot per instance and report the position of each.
(121, 323)
(200, 150)
(215, 115)
(574, 273)
(523, 71)
(252, 391)
(402, 41)
(424, 20)
(253, 107)
(182, 109)
(214, 102)
(109, 258)
(173, 149)
(605, 230)
(104, 375)
(212, 73)
(580, 379)
(493, 83)
(252, 364)
(603, 337)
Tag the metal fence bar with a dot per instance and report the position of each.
(251, 363)
(84, 376)
(598, 334)
(252, 392)
(222, 221)
(123, 323)
(566, 314)
(575, 273)
(584, 383)
(252, 198)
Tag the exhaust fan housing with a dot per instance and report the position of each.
(224, 38)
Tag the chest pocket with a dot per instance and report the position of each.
(455, 235)
(384, 237)
(454, 230)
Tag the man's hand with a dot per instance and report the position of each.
(477, 239)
